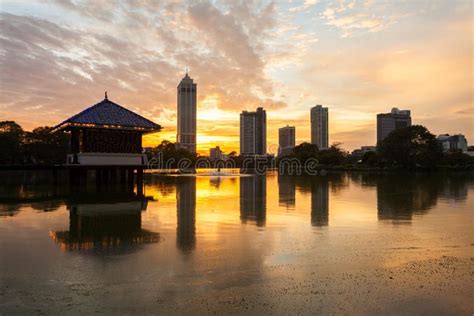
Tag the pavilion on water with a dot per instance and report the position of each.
(107, 138)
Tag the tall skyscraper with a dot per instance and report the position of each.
(253, 132)
(319, 126)
(186, 135)
(286, 140)
(387, 122)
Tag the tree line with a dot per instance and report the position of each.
(38, 147)
(412, 147)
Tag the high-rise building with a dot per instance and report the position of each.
(253, 132)
(186, 134)
(319, 126)
(215, 153)
(286, 140)
(387, 122)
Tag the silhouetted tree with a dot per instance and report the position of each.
(334, 155)
(11, 139)
(170, 151)
(457, 159)
(304, 151)
(410, 147)
(41, 146)
(370, 158)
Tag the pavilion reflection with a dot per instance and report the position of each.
(105, 222)
(253, 199)
(287, 191)
(186, 213)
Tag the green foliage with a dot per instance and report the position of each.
(410, 147)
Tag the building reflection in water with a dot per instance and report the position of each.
(287, 191)
(186, 213)
(107, 222)
(253, 199)
(320, 202)
(215, 182)
(456, 187)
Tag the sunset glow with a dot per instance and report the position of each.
(358, 58)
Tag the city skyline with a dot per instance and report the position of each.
(357, 58)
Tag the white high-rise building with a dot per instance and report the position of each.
(253, 132)
(319, 126)
(186, 132)
(453, 143)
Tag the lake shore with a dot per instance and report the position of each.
(441, 285)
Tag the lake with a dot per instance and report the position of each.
(343, 243)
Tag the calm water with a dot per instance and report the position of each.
(339, 243)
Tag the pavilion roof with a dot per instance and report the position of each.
(107, 114)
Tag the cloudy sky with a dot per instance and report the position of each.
(359, 58)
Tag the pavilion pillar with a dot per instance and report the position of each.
(130, 179)
(55, 176)
(140, 181)
(105, 177)
(123, 175)
(98, 177)
(113, 175)
(108, 176)
(75, 144)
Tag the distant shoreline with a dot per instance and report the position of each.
(321, 168)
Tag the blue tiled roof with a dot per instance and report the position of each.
(109, 113)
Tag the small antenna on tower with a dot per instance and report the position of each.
(106, 94)
(186, 71)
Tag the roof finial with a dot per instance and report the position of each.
(106, 95)
(186, 71)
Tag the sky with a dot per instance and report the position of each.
(358, 58)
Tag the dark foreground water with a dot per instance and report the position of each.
(336, 244)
